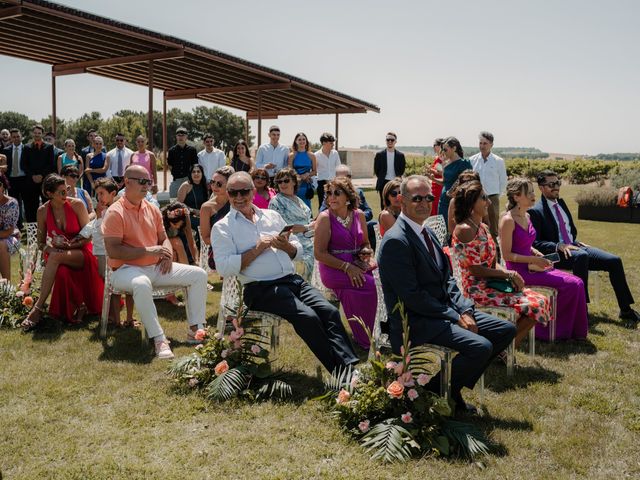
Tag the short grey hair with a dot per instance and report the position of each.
(239, 175)
(343, 168)
(421, 179)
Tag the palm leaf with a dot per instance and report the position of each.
(423, 360)
(340, 378)
(182, 365)
(274, 388)
(388, 442)
(227, 385)
(471, 440)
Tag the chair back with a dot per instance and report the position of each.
(439, 226)
(376, 230)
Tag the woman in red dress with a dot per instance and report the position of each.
(435, 174)
(70, 270)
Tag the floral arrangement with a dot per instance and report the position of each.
(236, 365)
(387, 407)
(16, 302)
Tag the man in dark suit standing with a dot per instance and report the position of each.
(388, 164)
(415, 271)
(556, 232)
(17, 178)
(37, 163)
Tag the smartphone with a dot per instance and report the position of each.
(288, 228)
(552, 257)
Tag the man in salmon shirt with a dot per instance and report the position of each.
(142, 259)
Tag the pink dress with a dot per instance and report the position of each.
(143, 159)
(260, 202)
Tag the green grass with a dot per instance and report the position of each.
(76, 407)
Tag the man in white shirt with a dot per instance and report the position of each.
(119, 159)
(250, 243)
(493, 176)
(211, 158)
(272, 156)
(327, 160)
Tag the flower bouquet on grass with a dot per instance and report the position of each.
(387, 407)
(236, 365)
(16, 302)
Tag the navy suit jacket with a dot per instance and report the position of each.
(544, 221)
(8, 152)
(430, 295)
(380, 166)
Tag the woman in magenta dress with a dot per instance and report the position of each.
(70, 270)
(516, 239)
(264, 193)
(341, 246)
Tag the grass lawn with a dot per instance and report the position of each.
(73, 406)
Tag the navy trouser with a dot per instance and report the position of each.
(475, 350)
(591, 258)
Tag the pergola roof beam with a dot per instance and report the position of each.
(10, 12)
(103, 62)
(193, 92)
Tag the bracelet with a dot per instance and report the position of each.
(344, 267)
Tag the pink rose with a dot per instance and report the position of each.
(224, 353)
(423, 379)
(193, 382)
(343, 396)
(395, 389)
(406, 379)
(412, 394)
(406, 417)
(222, 367)
(255, 349)
(28, 301)
(364, 426)
(391, 365)
(200, 335)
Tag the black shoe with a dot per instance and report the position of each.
(465, 409)
(631, 316)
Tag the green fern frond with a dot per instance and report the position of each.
(227, 385)
(274, 388)
(388, 442)
(340, 378)
(471, 441)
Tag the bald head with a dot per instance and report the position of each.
(136, 171)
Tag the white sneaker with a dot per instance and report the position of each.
(163, 351)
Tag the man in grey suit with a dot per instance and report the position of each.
(414, 270)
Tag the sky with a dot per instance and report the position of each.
(559, 75)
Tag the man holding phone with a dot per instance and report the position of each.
(557, 233)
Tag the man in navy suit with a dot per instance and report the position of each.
(556, 232)
(415, 271)
(388, 164)
(17, 178)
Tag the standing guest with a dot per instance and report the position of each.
(327, 161)
(90, 148)
(249, 243)
(141, 255)
(434, 172)
(341, 246)
(218, 205)
(242, 161)
(193, 193)
(455, 164)
(264, 193)
(210, 158)
(392, 205)
(414, 270)
(388, 164)
(5, 139)
(296, 213)
(464, 177)
(180, 158)
(517, 236)
(147, 159)
(71, 270)
(9, 233)
(71, 175)
(118, 159)
(50, 137)
(493, 176)
(272, 156)
(96, 164)
(37, 163)
(15, 173)
(483, 280)
(69, 157)
(176, 223)
(304, 163)
(556, 232)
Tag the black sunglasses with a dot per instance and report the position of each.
(217, 183)
(142, 181)
(391, 139)
(334, 193)
(73, 175)
(420, 198)
(557, 183)
(394, 193)
(260, 177)
(241, 191)
(283, 180)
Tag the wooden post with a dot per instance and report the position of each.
(150, 111)
(53, 103)
(246, 129)
(164, 140)
(259, 118)
(337, 126)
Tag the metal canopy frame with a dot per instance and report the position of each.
(73, 42)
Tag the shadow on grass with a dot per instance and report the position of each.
(597, 319)
(489, 424)
(566, 348)
(51, 329)
(497, 381)
(122, 345)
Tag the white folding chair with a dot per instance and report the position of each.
(376, 230)
(204, 255)
(32, 245)
(438, 225)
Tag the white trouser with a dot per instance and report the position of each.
(141, 281)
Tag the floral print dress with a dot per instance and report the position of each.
(482, 251)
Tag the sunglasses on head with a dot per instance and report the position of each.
(334, 193)
(73, 175)
(394, 193)
(241, 191)
(420, 198)
(142, 181)
(283, 180)
(217, 183)
(557, 183)
(260, 177)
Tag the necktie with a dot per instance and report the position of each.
(119, 166)
(563, 228)
(15, 165)
(430, 246)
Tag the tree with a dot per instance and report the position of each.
(17, 120)
(77, 129)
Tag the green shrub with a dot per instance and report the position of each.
(627, 174)
(597, 197)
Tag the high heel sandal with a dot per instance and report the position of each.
(30, 323)
(79, 314)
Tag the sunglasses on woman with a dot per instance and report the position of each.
(394, 193)
(216, 183)
(260, 177)
(334, 193)
(283, 180)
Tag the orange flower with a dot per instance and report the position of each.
(222, 367)
(28, 302)
(395, 389)
(343, 396)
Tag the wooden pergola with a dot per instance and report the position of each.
(74, 42)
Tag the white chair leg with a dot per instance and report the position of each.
(532, 342)
(104, 317)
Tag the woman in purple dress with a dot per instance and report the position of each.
(516, 239)
(341, 246)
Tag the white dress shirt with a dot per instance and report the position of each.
(391, 167)
(234, 235)
(416, 227)
(278, 155)
(492, 171)
(565, 219)
(211, 161)
(116, 170)
(327, 164)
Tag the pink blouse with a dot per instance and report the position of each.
(260, 202)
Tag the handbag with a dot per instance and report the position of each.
(501, 285)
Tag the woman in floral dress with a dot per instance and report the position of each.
(9, 235)
(475, 252)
